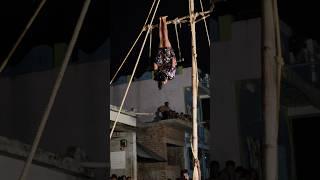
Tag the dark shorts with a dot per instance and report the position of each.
(164, 60)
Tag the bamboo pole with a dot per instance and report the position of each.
(5, 62)
(182, 20)
(270, 94)
(55, 90)
(196, 172)
(133, 72)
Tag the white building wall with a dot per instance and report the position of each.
(145, 96)
(237, 59)
(130, 153)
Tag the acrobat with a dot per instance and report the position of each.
(165, 63)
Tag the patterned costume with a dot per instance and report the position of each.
(164, 60)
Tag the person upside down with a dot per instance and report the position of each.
(165, 63)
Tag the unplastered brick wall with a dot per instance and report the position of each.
(153, 138)
(157, 136)
(154, 171)
(177, 135)
(172, 172)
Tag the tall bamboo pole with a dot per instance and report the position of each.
(196, 172)
(270, 112)
(56, 87)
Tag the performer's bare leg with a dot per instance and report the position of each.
(160, 33)
(164, 29)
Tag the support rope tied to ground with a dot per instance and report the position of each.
(55, 90)
(134, 44)
(134, 70)
(5, 62)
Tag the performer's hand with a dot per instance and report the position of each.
(155, 66)
(174, 62)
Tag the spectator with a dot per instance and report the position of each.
(128, 178)
(214, 170)
(253, 174)
(241, 173)
(122, 177)
(228, 173)
(184, 174)
(164, 110)
(114, 177)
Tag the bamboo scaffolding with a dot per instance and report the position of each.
(182, 20)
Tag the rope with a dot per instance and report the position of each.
(134, 44)
(195, 160)
(5, 62)
(55, 90)
(134, 70)
(150, 45)
(177, 35)
(205, 23)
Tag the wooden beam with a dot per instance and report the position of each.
(182, 20)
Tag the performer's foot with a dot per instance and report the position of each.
(163, 18)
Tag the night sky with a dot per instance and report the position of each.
(127, 24)
(55, 23)
(132, 19)
(58, 17)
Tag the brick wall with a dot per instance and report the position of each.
(152, 171)
(155, 138)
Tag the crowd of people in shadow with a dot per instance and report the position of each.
(123, 177)
(231, 172)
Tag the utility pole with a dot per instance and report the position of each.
(196, 169)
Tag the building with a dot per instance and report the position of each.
(237, 127)
(167, 138)
(78, 117)
(172, 136)
(123, 146)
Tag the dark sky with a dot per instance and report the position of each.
(58, 17)
(55, 23)
(125, 32)
(126, 26)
